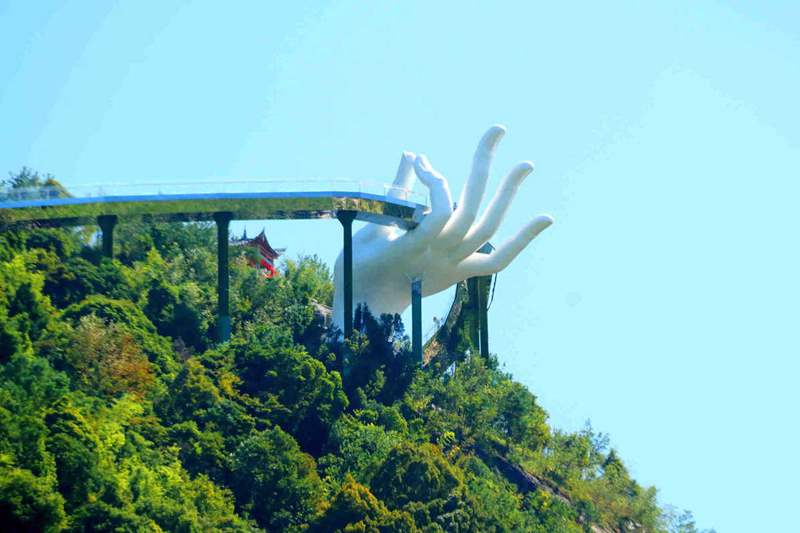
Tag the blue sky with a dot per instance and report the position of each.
(662, 305)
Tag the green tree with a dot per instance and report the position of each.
(71, 280)
(75, 448)
(275, 482)
(25, 313)
(355, 509)
(29, 388)
(173, 315)
(415, 474)
(379, 362)
(28, 179)
(130, 318)
(356, 449)
(28, 502)
(295, 390)
(519, 417)
(106, 359)
(102, 516)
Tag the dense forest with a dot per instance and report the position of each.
(119, 412)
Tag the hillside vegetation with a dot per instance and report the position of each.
(119, 412)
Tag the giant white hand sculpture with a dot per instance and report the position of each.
(441, 250)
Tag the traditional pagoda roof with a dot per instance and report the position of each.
(261, 242)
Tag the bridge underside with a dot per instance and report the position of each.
(197, 207)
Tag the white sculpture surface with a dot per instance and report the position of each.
(441, 250)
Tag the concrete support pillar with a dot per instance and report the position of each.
(107, 223)
(416, 319)
(346, 218)
(223, 220)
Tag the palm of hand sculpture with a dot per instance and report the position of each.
(442, 249)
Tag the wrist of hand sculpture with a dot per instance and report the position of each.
(442, 249)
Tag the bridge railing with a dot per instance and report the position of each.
(10, 195)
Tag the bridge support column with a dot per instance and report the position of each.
(474, 328)
(223, 220)
(107, 223)
(484, 286)
(416, 319)
(478, 291)
(346, 218)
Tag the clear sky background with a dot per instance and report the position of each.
(662, 305)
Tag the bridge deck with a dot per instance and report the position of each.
(52, 207)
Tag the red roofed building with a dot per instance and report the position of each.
(260, 254)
